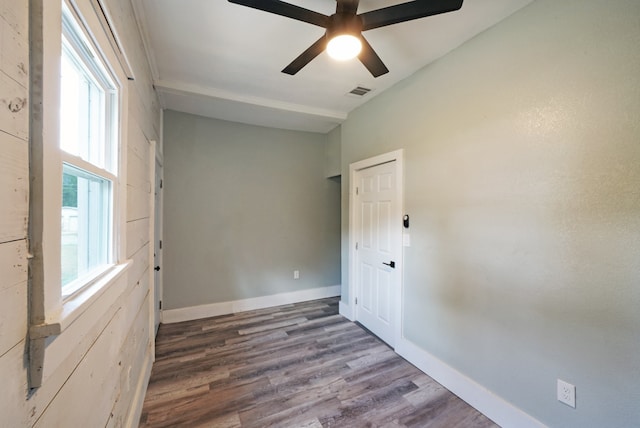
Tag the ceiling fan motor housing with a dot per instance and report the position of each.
(344, 23)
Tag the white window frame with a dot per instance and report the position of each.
(51, 312)
(90, 60)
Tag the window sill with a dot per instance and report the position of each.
(74, 306)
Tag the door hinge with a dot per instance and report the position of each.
(357, 190)
(160, 243)
(161, 183)
(160, 304)
(356, 300)
(356, 246)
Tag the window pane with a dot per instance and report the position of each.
(82, 111)
(86, 224)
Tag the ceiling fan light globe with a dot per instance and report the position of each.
(344, 47)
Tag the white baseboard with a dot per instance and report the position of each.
(345, 311)
(135, 411)
(495, 408)
(223, 308)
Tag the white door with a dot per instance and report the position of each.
(378, 241)
(157, 245)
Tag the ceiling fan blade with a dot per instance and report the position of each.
(347, 6)
(288, 10)
(370, 59)
(306, 57)
(406, 12)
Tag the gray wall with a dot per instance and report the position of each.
(333, 164)
(522, 180)
(244, 207)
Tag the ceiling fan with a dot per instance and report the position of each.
(346, 26)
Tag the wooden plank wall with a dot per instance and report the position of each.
(98, 368)
(14, 205)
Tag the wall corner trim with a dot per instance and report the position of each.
(346, 311)
(494, 407)
(224, 308)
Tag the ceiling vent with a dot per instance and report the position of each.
(359, 91)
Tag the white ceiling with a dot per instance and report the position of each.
(222, 60)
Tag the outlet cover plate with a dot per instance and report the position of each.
(566, 393)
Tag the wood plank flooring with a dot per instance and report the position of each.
(300, 365)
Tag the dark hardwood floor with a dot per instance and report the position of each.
(299, 365)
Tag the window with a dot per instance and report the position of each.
(89, 153)
(77, 166)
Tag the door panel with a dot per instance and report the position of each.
(384, 293)
(384, 229)
(367, 293)
(379, 238)
(367, 225)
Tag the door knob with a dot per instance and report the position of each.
(391, 264)
(157, 268)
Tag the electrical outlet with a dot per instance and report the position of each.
(566, 393)
(296, 274)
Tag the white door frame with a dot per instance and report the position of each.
(354, 168)
(155, 167)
